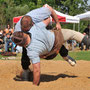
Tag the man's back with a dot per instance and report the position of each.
(37, 16)
(42, 40)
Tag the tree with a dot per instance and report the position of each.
(73, 7)
(12, 8)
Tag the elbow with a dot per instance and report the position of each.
(49, 7)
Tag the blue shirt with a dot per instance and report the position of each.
(42, 41)
(37, 15)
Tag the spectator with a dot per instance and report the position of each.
(72, 44)
(9, 44)
(81, 46)
(6, 31)
(87, 32)
(10, 31)
(1, 39)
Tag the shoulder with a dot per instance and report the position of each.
(40, 24)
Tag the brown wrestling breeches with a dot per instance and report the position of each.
(57, 45)
(57, 48)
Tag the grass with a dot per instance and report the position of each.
(77, 55)
(81, 55)
(17, 57)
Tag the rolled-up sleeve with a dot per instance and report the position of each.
(35, 60)
(34, 57)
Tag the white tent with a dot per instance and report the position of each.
(68, 18)
(84, 16)
(65, 18)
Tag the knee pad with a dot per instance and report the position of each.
(63, 51)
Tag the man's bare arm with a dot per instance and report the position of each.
(36, 74)
(54, 16)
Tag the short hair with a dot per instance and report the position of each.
(18, 38)
(26, 22)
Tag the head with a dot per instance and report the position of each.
(8, 26)
(21, 38)
(6, 31)
(26, 23)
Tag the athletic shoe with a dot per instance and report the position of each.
(71, 61)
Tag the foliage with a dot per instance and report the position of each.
(12, 8)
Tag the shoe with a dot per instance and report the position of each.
(17, 78)
(71, 61)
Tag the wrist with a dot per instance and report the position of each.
(57, 23)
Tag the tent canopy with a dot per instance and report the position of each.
(68, 18)
(84, 16)
(62, 18)
(16, 19)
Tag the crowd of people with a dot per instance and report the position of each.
(7, 46)
(6, 43)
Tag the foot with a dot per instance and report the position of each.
(71, 61)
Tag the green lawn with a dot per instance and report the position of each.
(77, 55)
(17, 57)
